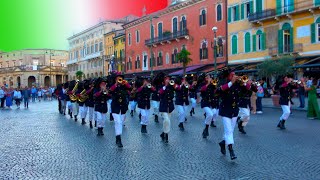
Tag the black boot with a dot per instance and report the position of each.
(185, 119)
(191, 113)
(162, 136)
(166, 140)
(212, 124)
(99, 132)
(241, 128)
(222, 145)
(205, 115)
(232, 155)
(181, 126)
(91, 125)
(75, 118)
(83, 121)
(131, 113)
(140, 117)
(69, 111)
(282, 124)
(118, 141)
(143, 128)
(156, 118)
(111, 117)
(238, 119)
(71, 115)
(95, 123)
(205, 132)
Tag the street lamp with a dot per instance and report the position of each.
(152, 36)
(51, 61)
(214, 47)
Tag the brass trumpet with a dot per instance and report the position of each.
(214, 81)
(187, 86)
(257, 83)
(73, 96)
(120, 80)
(243, 78)
(296, 81)
(149, 85)
(171, 82)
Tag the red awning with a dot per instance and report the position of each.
(188, 69)
(211, 68)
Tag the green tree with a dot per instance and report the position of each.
(183, 57)
(79, 75)
(276, 67)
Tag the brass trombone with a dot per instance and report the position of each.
(215, 81)
(73, 96)
(243, 78)
(83, 96)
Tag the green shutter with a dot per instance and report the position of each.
(291, 6)
(313, 33)
(251, 7)
(280, 41)
(279, 7)
(254, 43)
(234, 44)
(263, 41)
(247, 43)
(317, 2)
(229, 15)
(258, 5)
(237, 12)
(291, 40)
(242, 11)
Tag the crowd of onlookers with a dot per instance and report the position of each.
(9, 96)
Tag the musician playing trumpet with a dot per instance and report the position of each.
(101, 97)
(209, 103)
(144, 103)
(182, 101)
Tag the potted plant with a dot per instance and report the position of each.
(276, 67)
(166, 33)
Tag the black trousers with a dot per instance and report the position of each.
(2, 102)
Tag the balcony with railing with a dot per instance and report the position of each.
(91, 56)
(167, 37)
(287, 49)
(72, 61)
(286, 10)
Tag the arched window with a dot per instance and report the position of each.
(129, 39)
(219, 12)
(167, 58)
(174, 25)
(183, 23)
(247, 42)
(174, 56)
(315, 29)
(204, 50)
(137, 63)
(160, 59)
(203, 17)
(234, 44)
(160, 32)
(285, 39)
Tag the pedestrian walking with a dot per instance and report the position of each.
(40, 94)
(301, 93)
(34, 93)
(2, 97)
(9, 94)
(285, 98)
(260, 95)
(26, 93)
(17, 96)
(313, 106)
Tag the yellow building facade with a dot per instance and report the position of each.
(262, 29)
(109, 49)
(119, 52)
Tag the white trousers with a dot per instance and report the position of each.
(211, 115)
(75, 108)
(101, 119)
(83, 111)
(244, 114)
(109, 105)
(193, 102)
(228, 126)
(166, 122)
(132, 105)
(285, 112)
(145, 116)
(63, 106)
(118, 122)
(95, 116)
(69, 105)
(91, 109)
(155, 105)
(181, 112)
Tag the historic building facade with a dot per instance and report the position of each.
(39, 67)
(183, 24)
(262, 29)
(119, 52)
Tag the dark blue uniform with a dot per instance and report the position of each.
(182, 96)
(209, 97)
(144, 97)
(285, 90)
(119, 98)
(166, 99)
(229, 106)
(101, 102)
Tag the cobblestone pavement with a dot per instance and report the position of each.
(39, 143)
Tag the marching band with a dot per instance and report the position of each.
(226, 95)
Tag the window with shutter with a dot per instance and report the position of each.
(229, 14)
(247, 42)
(219, 12)
(291, 40)
(280, 41)
(242, 11)
(313, 32)
(259, 6)
(237, 12)
(254, 43)
(279, 7)
(263, 41)
(316, 2)
(234, 44)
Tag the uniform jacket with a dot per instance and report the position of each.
(182, 95)
(101, 101)
(285, 91)
(155, 95)
(209, 96)
(90, 101)
(245, 95)
(229, 106)
(119, 98)
(144, 99)
(193, 92)
(166, 99)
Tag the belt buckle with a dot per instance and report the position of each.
(184, 97)
(102, 101)
(233, 104)
(120, 100)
